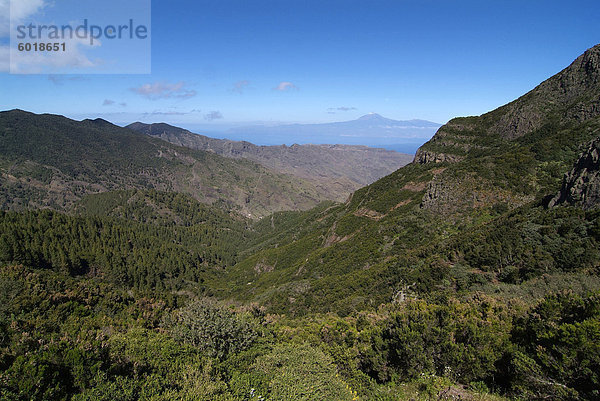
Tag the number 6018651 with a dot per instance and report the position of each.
(41, 47)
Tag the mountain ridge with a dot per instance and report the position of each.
(52, 161)
(573, 93)
(337, 169)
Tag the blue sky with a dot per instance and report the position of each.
(221, 63)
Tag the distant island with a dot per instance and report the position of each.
(371, 130)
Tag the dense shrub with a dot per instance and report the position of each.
(301, 372)
(559, 343)
(212, 328)
(460, 340)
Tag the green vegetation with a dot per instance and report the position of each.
(76, 337)
(76, 324)
(211, 328)
(141, 256)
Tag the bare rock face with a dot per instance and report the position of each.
(425, 156)
(439, 194)
(581, 185)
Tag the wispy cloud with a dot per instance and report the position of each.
(60, 79)
(20, 10)
(285, 86)
(240, 86)
(342, 108)
(163, 90)
(38, 62)
(23, 8)
(109, 102)
(170, 112)
(213, 115)
(166, 113)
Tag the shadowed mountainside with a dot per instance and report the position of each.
(52, 161)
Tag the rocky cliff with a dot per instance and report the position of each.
(581, 185)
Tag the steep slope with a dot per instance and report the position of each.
(49, 160)
(449, 222)
(336, 170)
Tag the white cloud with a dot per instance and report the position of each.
(213, 115)
(73, 59)
(108, 102)
(37, 62)
(19, 10)
(285, 86)
(162, 90)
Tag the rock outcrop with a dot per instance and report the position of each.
(581, 185)
(426, 156)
